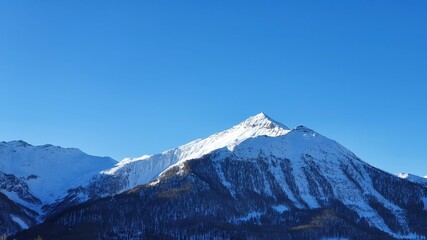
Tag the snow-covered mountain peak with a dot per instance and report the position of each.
(20, 145)
(303, 128)
(404, 175)
(261, 120)
(148, 167)
(409, 177)
(298, 141)
(15, 143)
(47, 170)
(305, 131)
(257, 125)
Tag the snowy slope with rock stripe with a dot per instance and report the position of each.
(262, 156)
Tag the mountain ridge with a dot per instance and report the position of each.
(414, 178)
(37, 175)
(143, 169)
(285, 170)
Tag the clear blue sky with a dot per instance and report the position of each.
(127, 78)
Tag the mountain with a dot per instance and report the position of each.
(413, 178)
(258, 180)
(32, 177)
(131, 172)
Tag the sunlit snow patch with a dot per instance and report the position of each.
(19, 221)
(280, 208)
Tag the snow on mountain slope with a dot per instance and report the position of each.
(339, 173)
(322, 171)
(258, 172)
(14, 217)
(141, 170)
(19, 221)
(260, 136)
(40, 174)
(413, 178)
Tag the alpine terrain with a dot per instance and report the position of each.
(413, 178)
(257, 180)
(32, 177)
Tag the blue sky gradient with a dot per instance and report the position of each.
(127, 78)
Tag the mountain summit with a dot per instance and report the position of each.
(141, 170)
(262, 121)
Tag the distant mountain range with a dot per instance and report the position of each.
(257, 180)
